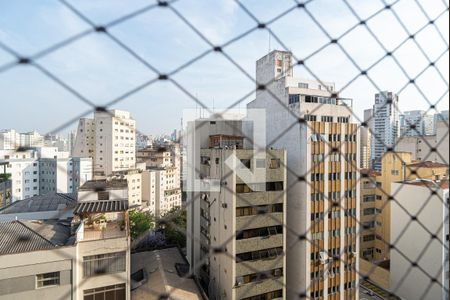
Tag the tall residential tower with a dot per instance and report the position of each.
(315, 126)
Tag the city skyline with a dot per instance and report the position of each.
(212, 79)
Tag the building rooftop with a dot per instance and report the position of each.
(160, 274)
(427, 164)
(442, 184)
(103, 184)
(49, 202)
(24, 236)
(101, 206)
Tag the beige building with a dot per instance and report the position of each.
(427, 200)
(376, 215)
(322, 159)
(109, 139)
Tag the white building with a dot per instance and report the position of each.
(44, 170)
(414, 240)
(161, 179)
(416, 122)
(365, 139)
(385, 130)
(109, 139)
(322, 159)
(11, 139)
(161, 189)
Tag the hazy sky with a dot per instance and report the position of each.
(101, 71)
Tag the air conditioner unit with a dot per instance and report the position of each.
(323, 257)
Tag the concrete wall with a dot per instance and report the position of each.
(18, 274)
(411, 239)
(376, 274)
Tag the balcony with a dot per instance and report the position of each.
(256, 221)
(260, 287)
(101, 230)
(249, 267)
(259, 243)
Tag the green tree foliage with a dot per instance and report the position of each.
(140, 222)
(174, 226)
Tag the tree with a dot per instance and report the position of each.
(140, 222)
(174, 226)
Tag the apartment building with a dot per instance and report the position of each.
(103, 241)
(44, 170)
(161, 181)
(365, 139)
(235, 221)
(161, 189)
(428, 201)
(371, 207)
(416, 122)
(84, 256)
(322, 159)
(376, 215)
(428, 147)
(12, 140)
(386, 126)
(109, 138)
(5, 189)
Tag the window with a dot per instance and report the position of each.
(246, 163)
(47, 279)
(103, 195)
(394, 172)
(274, 163)
(294, 99)
(103, 264)
(303, 85)
(260, 163)
(111, 292)
(328, 119)
(311, 118)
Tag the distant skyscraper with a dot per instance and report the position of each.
(385, 128)
(416, 123)
(366, 137)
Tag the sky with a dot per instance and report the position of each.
(98, 69)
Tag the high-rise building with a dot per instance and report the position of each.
(427, 200)
(365, 139)
(323, 159)
(416, 123)
(109, 139)
(385, 130)
(236, 230)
